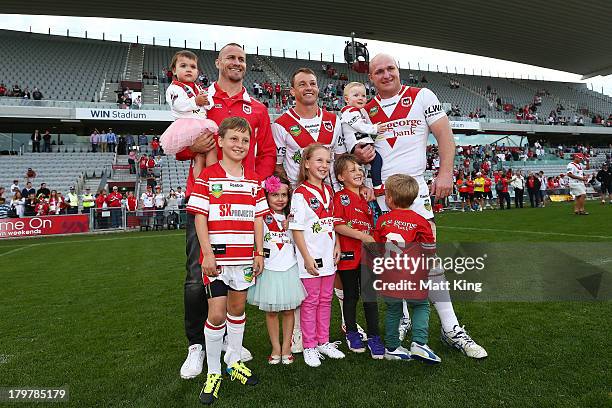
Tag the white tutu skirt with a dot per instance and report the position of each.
(276, 291)
(183, 132)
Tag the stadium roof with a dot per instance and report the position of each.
(566, 35)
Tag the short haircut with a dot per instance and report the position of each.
(234, 123)
(232, 44)
(301, 71)
(352, 85)
(403, 189)
(306, 155)
(182, 53)
(341, 163)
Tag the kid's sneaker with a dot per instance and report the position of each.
(312, 357)
(238, 371)
(376, 347)
(210, 391)
(355, 344)
(399, 353)
(330, 350)
(424, 353)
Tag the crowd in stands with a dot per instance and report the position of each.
(17, 92)
(482, 181)
(128, 99)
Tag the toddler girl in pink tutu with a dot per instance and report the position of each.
(189, 103)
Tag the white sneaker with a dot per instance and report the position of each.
(330, 350)
(312, 357)
(362, 333)
(424, 353)
(459, 339)
(399, 353)
(245, 354)
(296, 342)
(192, 367)
(404, 327)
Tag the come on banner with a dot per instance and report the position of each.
(50, 225)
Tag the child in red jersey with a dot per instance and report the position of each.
(353, 224)
(399, 228)
(228, 203)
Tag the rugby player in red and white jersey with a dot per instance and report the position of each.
(229, 98)
(304, 125)
(411, 114)
(297, 129)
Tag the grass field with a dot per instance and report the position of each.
(103, 315)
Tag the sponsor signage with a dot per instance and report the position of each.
(47, 225)
(123, 114)
(467, 125)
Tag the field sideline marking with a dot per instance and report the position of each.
(22, 247)
(525, 232)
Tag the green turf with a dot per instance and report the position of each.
(103, 315)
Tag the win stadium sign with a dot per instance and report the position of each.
(123, 114)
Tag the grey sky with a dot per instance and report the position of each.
(279, 40)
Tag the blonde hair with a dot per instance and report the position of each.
(351, 86)
(306, 155)
(402, 189)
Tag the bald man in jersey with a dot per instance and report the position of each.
(411, 114)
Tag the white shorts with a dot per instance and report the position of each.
(577, 189)
(237, 277)
(421, 205)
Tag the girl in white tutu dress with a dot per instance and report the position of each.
(279, 288)
(189, 103)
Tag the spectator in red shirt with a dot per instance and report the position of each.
(155, 147)
(132, 202)
(504, 196)
(142, 165)
(113, 200)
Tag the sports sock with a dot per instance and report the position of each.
(442, 302)
(340, 295)
(214, 342)
(235, 333)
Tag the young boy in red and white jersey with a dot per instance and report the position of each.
(401, 227)
(353, 224)
(357, 129)
(228, 203)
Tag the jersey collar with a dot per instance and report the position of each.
(215, 91)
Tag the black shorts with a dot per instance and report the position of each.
(488, 194)
(219, 288)
(478, 194)
(605, 189)
(464, 196)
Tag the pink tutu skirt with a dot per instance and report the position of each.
(183, 132)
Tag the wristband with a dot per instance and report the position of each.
(259, 253)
